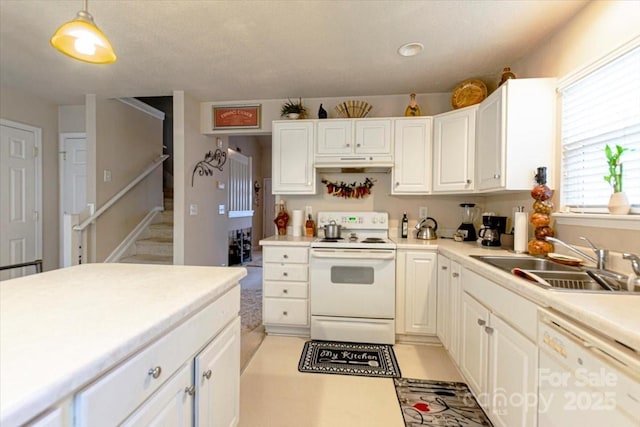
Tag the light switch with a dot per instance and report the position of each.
(107, 175)
(220, 185)
(221, 209)
(193, 210)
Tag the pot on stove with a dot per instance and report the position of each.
(332, 230)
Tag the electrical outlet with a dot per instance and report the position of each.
(107, 175)
(193, 210)
(220, 209)
(423, 212)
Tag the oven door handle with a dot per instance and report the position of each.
(352, 254)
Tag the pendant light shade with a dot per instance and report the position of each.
(82, 39)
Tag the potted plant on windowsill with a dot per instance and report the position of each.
(293, 109)
(618, 203)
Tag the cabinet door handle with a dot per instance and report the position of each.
(481, 322)
(397, 184)
(496, 176)
(284, 313)
(444, 267)
(348, 145)
(488, 329)
(468, 181)
(357, 145)
(155, 372)
(207, 374)
(191, 390)
(455, 274)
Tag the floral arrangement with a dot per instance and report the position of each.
(349, 191)
(615, 167)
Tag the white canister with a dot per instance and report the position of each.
(520, 231)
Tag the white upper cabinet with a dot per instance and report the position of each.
(412, 156)
(516, 134)
(454, 148)
(373, 136)
(335, 137)
(292, 157)
(353, 142)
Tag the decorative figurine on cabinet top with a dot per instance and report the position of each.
(322, 113)
(413, 109)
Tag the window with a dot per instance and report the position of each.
(600, 107)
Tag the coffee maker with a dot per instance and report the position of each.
(469, 213)
(493, 227)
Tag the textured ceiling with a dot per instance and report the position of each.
(243, 50)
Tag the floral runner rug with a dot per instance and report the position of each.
(438, 403)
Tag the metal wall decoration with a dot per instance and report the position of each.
(211, 161)
(349, 191)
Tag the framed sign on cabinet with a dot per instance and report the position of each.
(236, 116)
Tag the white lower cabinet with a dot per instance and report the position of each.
(171, 405)
(156, 385)
(448, 318)
(497, 360)
(285, 282)
(217, 380)
(416, 292)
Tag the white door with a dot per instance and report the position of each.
(420, 294)
(20, 197)
(74, 172)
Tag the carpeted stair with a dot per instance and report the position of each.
(155, 245)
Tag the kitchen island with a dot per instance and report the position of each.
(65, 332)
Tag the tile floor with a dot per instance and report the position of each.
(274, 394)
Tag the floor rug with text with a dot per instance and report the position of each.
(347, 358)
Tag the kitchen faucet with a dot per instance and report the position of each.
(635, 262)
(600, 260)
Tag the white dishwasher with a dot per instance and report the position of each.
(584, 378)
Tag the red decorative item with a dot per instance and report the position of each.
(422, 407)
(349, 191)
(540, 218)
(282, 219)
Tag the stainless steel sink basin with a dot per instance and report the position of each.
(507, 263)
(556, 276)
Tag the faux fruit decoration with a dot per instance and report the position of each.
(540, 218)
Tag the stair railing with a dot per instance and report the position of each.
(79, 250)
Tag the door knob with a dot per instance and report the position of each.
(191, 390)
(155, 372)
(207, 374)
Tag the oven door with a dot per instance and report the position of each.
(353, 283)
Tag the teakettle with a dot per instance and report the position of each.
(427, 232)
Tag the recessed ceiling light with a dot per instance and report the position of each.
(410, 49)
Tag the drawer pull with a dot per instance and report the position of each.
(207, 374)
(481, 322)
(444, 267)
(191, 390)
(155, 372)
(455, 274)
(285, 274)
(284, 313)
(285, 256)
(285, 291)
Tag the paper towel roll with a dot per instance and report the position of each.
(521, 233)
(297, 222)
(298, 217)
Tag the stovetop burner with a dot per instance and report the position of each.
(374, 240)
(331, 239)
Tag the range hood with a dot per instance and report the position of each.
(354, 164)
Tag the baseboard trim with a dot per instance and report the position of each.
(121, 250)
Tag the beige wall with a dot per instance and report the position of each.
(127, 142)
(31, 110)
(198, 239)
(597, 30)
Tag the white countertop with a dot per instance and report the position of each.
(289, 240)
(616, 315)
(63, 328)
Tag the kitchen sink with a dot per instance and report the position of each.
(552, 275)
(508, 263)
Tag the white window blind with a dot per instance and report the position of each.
(240, 185)
(600, 108)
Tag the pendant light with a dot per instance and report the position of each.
(82, 39)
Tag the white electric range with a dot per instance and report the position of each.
(352, 279)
